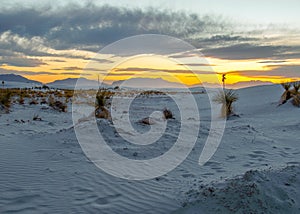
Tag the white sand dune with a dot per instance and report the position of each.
(43, 169)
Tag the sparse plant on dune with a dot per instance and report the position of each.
(296, 94)
(226, 98)
(296, 100)
(36, 117)
(5, 100)
(100, 109)
(33, 102)
(43, 101)
(21, 99)
(287, 93)
(59, 106)
(56, 104)
(296, 86)
(167, 114)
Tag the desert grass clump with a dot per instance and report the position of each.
(168, 114)
(5, 100)
(33, 102)
(59, 106)
(296, 100)
(36, 117)
(21, 99)
(287, 93)
(100, 109)
(226, 98)
(296, 86)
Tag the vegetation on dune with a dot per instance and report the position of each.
(168, 114)
(100, 110)
(289, 93)
(226, 98)
(151, 92)
(5, 99)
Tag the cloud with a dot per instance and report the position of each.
(253, 51)
(91, 27)
(21, 61)
(29, 73)
(272, 61)
(284, 71)
(58, 31)
(243, 51)
(180, 71)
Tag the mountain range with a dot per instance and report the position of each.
(13, 80)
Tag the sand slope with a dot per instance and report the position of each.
(43, 169)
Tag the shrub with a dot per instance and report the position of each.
(36, 117)
(296, 100)
(21, 99)
(5, 99)
(296, 86)
(33, 102)
(58, 105)
(167, 114)
(286, 85)
(287, 94)
(43, 101)
(226, 98)
(101, 97)
(100, 100)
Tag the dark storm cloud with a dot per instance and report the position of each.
(93, 26)
(39, 31)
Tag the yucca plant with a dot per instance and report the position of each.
(296, 100)
(287, 93)
(100, 109)
(226, 98)
(296, 86)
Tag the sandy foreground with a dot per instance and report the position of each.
(255, 169)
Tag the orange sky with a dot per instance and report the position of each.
(141, 67)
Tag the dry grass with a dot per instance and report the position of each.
(296, 100)
(226, 98)
(100, 110)
(286, 85)
(289, 93)
(5, 99)
(168, 114)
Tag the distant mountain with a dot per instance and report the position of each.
(147, 83)
(245, 84)
(70, 83)
(17, 79)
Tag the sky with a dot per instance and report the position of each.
(253, 41)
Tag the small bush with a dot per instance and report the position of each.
(58, 105)
(21, 100)
(5, 99)
(33, 102)
(167, 114)
(102, 112)
(296, 86)
(36, 117)
(43, 101)
(100, 100)
(296, 100)
(286, 85)
(226, 98)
